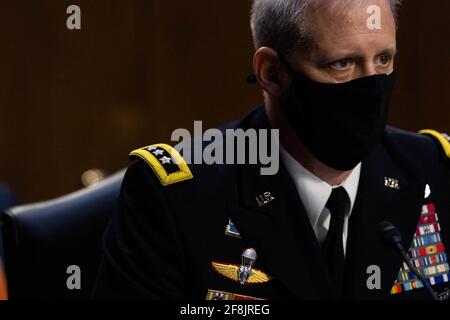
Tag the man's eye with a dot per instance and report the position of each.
(342, 64)
(384, 59)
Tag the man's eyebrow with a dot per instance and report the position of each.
(323, 58)
(391, 51)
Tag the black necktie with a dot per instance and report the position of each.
(332, 248)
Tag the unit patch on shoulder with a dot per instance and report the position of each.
(165, 161)
(442, 138)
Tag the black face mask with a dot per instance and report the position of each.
(340, 124)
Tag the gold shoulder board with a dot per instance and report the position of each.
(165, 161)
(442, 138)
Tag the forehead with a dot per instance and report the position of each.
(346, 20)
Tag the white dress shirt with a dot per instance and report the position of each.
(314, 193)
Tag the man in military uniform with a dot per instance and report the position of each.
(311, 231)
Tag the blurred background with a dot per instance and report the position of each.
(71, 101)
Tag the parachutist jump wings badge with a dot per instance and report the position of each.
(231, 272)
(245, 273)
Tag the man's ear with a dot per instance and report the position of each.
(270, 72)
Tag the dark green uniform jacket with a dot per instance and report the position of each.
(169, 241)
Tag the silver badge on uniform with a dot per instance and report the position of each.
(248, 259)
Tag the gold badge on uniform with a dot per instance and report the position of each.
(264, 199)
(244, 273)
(391, 183)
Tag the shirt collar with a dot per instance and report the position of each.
(313, 191)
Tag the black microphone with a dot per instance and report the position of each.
(392, 237)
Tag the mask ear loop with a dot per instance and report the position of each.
(290, 71)
(252, 80)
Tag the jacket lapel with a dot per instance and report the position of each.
(375, 203)
(280, 232)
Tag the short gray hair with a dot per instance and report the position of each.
(282, 24)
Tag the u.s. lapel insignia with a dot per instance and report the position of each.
(391, 183)
(264, 199)
(244, 273)
(222, 295)
(427, 253)
(231, 230)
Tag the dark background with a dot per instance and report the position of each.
(75, 100)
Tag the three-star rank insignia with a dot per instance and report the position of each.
(244, 273)
(168, 165)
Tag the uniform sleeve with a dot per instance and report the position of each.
(143, 256)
